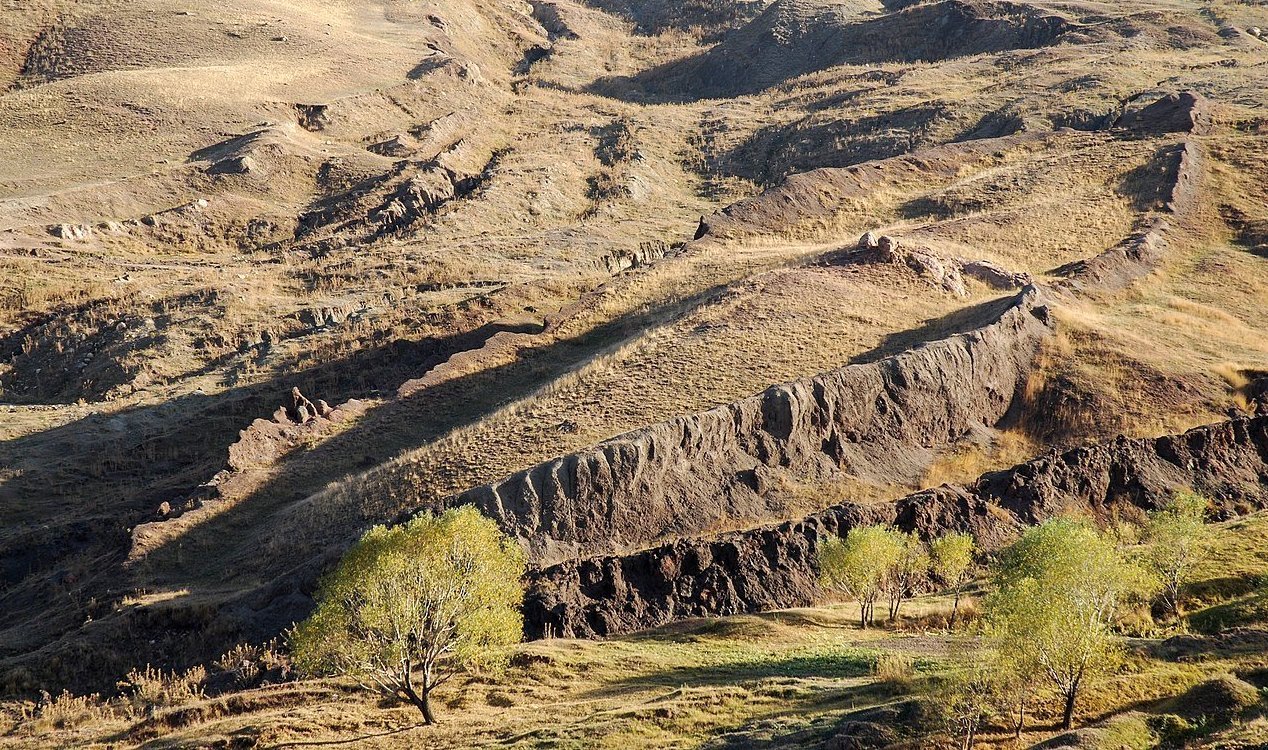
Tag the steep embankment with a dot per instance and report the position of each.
(879, 422)
(774, 567)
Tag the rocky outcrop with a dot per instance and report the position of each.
(622, 260)
(879, 422)
(774, 567)
(1183, 112)
(946, 273)
(420, 196)
(259, 446)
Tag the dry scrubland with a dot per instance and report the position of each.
(470, 232)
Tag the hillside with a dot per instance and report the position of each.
(635, 278)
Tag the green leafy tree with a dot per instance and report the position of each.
(856, 566)
(1175, 537)
(951, 561)
(908, 572)
(1059, 590)
(409, 606)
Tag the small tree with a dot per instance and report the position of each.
(987, 685)
(968, 699)
(908, 571)
(434, 595)
(1175, 537)
(951, 561)
(855, 566)
(1058, 593)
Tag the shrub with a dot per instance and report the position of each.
(68, 711)
(894, 668)
(151, 688)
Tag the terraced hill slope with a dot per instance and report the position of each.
(628, 276)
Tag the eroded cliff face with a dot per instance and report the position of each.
(775, 566)
(879, 422)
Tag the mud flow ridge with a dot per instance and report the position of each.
(877, 422)
(774, 567)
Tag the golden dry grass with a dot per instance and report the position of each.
(139, 88)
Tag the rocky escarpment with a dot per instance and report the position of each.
(879, 423)
(775, 566)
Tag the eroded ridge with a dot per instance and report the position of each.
(879, 422)
(1142, 251)
(775, 567)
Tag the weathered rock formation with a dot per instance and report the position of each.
(774, 567)
(1183, 112)
(879, 422)
(947, 273)
(258, 447)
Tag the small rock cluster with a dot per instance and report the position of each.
(946, 273)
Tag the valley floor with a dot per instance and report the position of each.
(801, 678)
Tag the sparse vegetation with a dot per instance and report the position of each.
(463, 230)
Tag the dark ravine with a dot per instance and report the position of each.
(774, 567)
(879, 422)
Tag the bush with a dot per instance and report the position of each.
(68, 711)
(152, 688)
(248, 665)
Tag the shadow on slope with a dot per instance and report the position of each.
(238, 577)
(795, 37)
